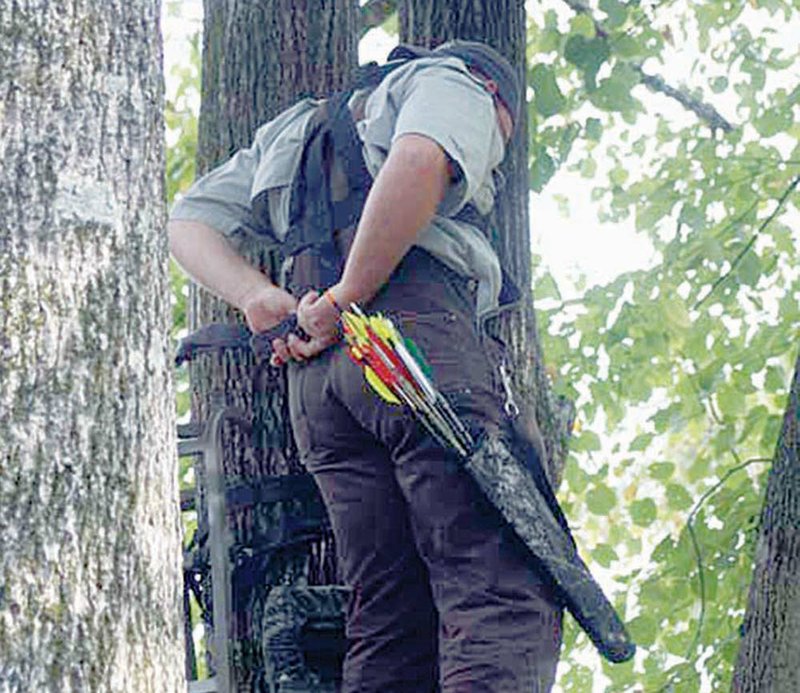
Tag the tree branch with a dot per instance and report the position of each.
(752, 240)
(657, 83)
(696, 545)
(376, 12)
(701, 109)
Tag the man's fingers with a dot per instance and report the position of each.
(306, 311)
(299, 349)
(280, 350)
(305, 350)
(308, 300)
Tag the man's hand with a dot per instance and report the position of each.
(267, 306)
(299, 350)
(317, 315)
(320, 321)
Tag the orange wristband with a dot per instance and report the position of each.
(329, 296)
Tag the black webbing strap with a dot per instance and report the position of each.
(219, 336)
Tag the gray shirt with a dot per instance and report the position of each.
(434, 97)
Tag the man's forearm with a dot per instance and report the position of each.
(401, 203)
(210, 260)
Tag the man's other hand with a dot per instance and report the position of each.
(299, 349)
(266, 306)
(318, 316)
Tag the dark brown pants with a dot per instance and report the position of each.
(442, 598)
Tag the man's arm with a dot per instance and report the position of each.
(211, 261)
(401, 203)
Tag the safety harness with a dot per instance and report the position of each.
(312, 258)
(331, 140)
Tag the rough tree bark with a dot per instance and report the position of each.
(89, 525)
(502, 24)
(258, 58)
(770, 650)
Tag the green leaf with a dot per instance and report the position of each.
(582, 25)
(643, 629)
(775, 380)
(616, 11)
(568, 136)
(618, 175)
(641, 442)
(604, 555)
(546, 287)
(771, 431)
(730, 400)
(587, 55)
(692, 216)
(643, 512)
(392, 24)
(661, 470)
(772, 122)
(593, 129)
(588, 167)
(678, 497)
(698, 469)
(719, 84)
(578, 678)
(756, 418)
(614, 92)
(587, 441)
(626, 46)
(577, 479)
(664, 550)
(676, 313)
(542, 169)
(547, 97)
(749, 269)
(600, 500)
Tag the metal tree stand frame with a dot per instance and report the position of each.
(301, 628)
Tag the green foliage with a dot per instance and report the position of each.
(680, 370)
(180, 119)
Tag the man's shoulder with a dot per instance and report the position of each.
(285, 124)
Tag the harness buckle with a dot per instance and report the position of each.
(510, 406)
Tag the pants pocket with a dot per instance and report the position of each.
(451, 348)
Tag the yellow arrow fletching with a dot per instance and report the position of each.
(378, 323)
(377, 384)
(356, 325)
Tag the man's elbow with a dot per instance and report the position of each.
(182, 233)
(174, 235)
(423, 159)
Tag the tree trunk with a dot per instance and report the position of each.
(770, 650)
(502, 24)
(89, 527)
(258, 58)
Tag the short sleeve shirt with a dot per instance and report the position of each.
(434, 97)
